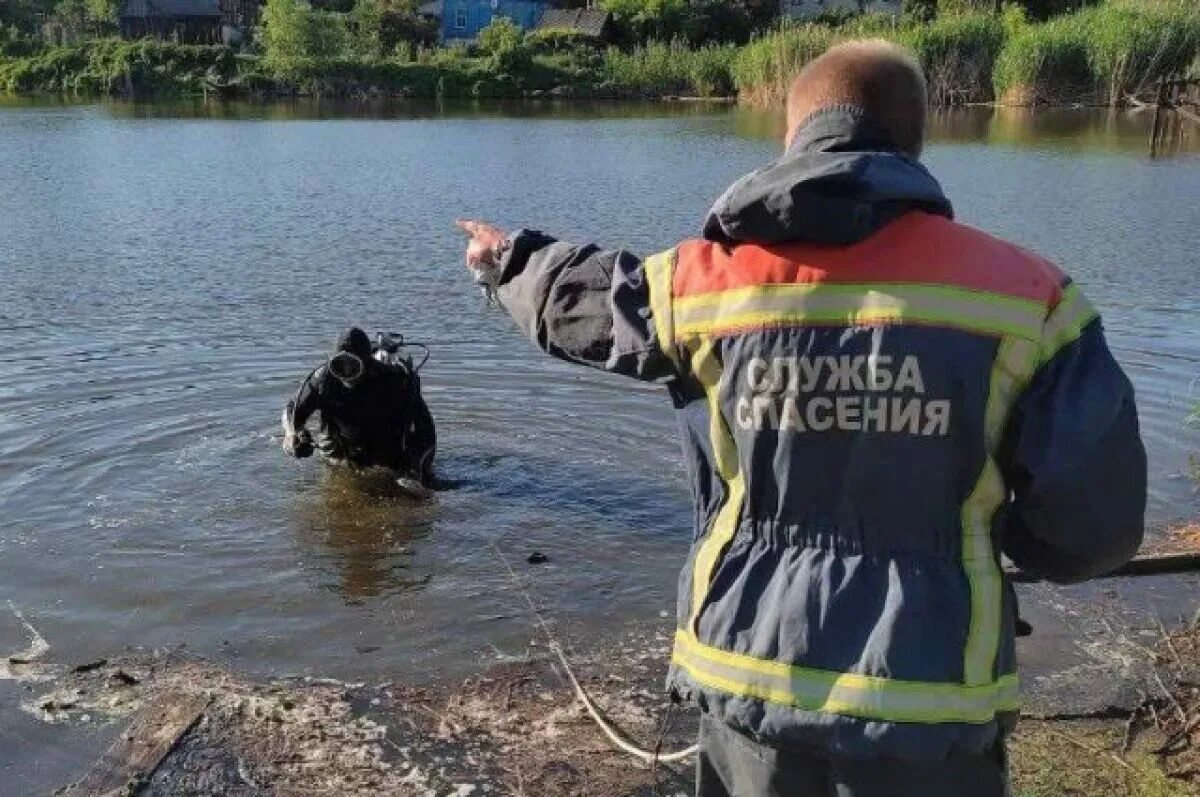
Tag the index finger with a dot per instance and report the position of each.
(469, 226)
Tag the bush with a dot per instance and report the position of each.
(14, 44)
(716, 21)
(560, 41)
(295, 33)
(504, 43)
(111, 66)
(648, 20)
(499, 35)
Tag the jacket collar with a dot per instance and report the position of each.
(840, 181)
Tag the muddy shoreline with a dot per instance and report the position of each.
(1117, 705)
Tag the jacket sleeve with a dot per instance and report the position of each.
(308, 399)
(603, 308)
(1073, 456)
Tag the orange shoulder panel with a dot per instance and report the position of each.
(917, 248)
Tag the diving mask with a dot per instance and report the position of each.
(347, 367)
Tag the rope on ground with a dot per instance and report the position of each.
(620, 741)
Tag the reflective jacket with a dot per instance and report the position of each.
(876, 402)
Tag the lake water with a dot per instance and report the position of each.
(168, 274)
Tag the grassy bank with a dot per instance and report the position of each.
(109, 66)
(1100, 55)
(114, 67)
(1097, 56)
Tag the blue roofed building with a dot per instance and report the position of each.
(463, 19)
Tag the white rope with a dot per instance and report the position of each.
(613, 735)
(616, 737)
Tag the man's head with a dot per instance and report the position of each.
(881, 79)
(350, 360)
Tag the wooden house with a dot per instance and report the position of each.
(593, 22)
(463, 19)
(805, 9)
(183, 21)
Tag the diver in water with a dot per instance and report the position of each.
(372, 412)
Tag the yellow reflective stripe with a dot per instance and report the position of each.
(1066, 322)
(847, 694)
(660, 276)
(857, 305)
(707, 368)
(1014, 365)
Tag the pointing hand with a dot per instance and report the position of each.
(483, 251)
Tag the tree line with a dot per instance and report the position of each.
(694, 22)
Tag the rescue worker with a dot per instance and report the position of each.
(372, 413)
(877, 401)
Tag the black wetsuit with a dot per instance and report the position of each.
(380, 420)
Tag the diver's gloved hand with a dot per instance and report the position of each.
(296, 442)
(302, 446)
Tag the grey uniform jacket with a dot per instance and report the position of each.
(876, 402)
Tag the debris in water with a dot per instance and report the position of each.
(537, 558)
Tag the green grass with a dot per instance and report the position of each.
(956, 51)
(763, 69)
(1038, 751)
(659, 69)
(1098, 55)
(112, 66)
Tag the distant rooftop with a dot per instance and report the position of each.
(170, 8)
(585, 20)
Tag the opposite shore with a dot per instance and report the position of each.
(1106, 55)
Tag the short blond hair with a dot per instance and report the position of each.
(882, 79)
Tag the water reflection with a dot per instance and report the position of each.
(1074, 129)
(363, 526)
(1067, 129)
(314, 108)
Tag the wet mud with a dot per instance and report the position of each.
(1123, 707)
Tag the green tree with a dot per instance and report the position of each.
(285, 25)
(500, 34)
(25, 14)
(70, 17)
(921, 10)
(647, 20)
(1044, 9)
(366, 20)
(383, 27)
(504, 42)
(717, 21)
(103, 12)
(293, 32)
